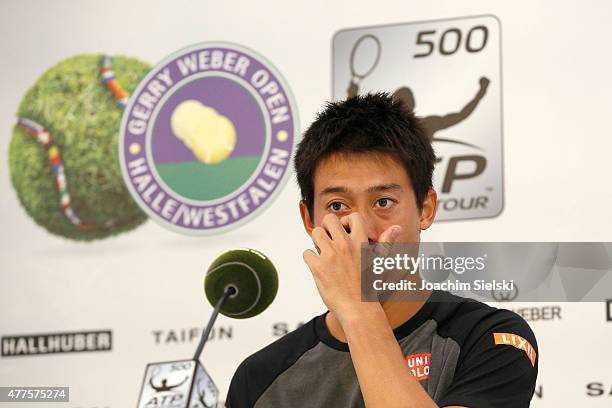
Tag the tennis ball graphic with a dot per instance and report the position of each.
(209, 135)
(63, 155)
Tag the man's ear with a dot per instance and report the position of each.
(306, 220)
(430, 206)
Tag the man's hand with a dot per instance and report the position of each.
(384, 377)
(337, 267)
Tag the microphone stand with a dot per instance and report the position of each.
(200, 387)
(229, 291)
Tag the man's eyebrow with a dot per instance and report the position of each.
(372, 189)
(384, 187)
(334, 190)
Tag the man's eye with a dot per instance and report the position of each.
(336, 206)
(384, 202)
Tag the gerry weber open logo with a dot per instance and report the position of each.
(207, 138)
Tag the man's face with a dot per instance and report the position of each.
(375, 185)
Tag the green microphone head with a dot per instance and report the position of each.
(252, 276)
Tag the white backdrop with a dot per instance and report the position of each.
(556, 99)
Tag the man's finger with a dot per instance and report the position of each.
(333, 226)
(310, 258)
(355, 224)
(320, 238)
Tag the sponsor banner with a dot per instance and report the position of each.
(279, 329)
(177, 384)
(539, 313)
(51, 343)
(75, 105)
(448, 72)
(80, 254)
(207, 139)
(598, 389)
(190, 335)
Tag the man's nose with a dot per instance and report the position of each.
(371, 226)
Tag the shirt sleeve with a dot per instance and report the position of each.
(497, 365)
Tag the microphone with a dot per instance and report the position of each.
(249, 276)
(240, 283)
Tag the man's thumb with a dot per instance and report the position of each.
(387, 239)
(390, 234)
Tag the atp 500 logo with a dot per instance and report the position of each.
(207, 138)
(449, 73)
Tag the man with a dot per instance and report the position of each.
(365, 168)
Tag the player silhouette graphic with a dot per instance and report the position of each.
(434, 123)
(164, 385)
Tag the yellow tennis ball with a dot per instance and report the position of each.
(209, 135)
(184, 119)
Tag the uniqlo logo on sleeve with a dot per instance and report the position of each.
(419, 365)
